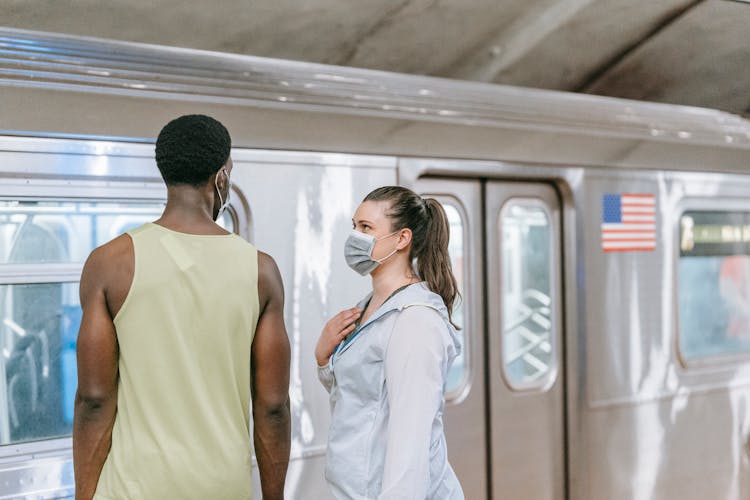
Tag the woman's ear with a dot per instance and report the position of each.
(404, 239)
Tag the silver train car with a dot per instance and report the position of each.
(602, 248)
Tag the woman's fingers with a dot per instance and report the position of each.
(343, 320)
(343, 330)
(347, 316)
(346, 331)
(334, 332)
(342, 324)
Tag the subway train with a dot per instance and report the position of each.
(602, 248)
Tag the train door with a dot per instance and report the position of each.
(524, 336)
(505, 403)
(466, 409)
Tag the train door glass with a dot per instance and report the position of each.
(522, 223)
(458, 375)
(526, 303)
(43, 245)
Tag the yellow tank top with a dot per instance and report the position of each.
(183, 401)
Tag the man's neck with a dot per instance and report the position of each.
(190, 210)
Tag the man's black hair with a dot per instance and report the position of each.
(191, 148)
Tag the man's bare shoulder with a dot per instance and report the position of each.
(113, 252)
(267, 265)
(109, 270)
(110, 266)
(270, 285)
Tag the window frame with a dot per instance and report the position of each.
(714, 362)
(547, 381)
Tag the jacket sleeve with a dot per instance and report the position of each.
(325, 376)
(415, 367)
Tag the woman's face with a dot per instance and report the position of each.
(370, 218)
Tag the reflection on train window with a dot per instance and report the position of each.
(38, 329)
(714, 284)
(39, 320)
(65, 232)
(459, 370)
(526, 270)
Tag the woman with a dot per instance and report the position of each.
(385, 361)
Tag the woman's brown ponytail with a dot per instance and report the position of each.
(430, 234)
(434, 263)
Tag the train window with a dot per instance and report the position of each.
(526, 308)
(65, 232)
(714, 284)
(38, 329)
(40, 314)
(459, 373)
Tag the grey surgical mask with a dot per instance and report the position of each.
(358, 252)
(222, 201)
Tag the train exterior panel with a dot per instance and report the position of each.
(602, 248)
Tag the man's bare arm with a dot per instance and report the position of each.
(96, 397)
(270, 360)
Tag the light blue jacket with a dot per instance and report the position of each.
(386, 385)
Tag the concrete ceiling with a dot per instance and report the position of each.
(694, 52)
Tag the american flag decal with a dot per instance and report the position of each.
(628, 222)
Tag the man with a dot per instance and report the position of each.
(182, 325)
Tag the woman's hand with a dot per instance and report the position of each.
(334, 332)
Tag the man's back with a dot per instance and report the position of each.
(184, 331)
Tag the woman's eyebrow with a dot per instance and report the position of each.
(361, 221)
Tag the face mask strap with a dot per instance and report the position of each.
(222, 203)
(380, 261)
(387, 235)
